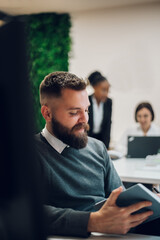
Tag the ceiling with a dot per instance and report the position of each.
(19, 7)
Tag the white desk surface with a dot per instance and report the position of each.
(109, 237)
(135, 170)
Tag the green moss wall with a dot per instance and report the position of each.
(48, 47)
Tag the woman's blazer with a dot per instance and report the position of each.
(106, 122)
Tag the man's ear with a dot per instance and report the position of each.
(46, 113)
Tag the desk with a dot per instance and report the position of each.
(135, 170)
(109, 237)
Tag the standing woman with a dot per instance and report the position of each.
(100, 110)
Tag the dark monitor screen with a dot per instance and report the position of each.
(20, 208)
(141, 146)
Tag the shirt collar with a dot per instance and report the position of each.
(140, 129)
(95, 102)
(57, 144)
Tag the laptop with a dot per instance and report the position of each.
(140, 147)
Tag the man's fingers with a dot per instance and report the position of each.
(135, 224)
(141, 216)
(113, 196)
(137, 206)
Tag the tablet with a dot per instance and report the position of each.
(135, 194)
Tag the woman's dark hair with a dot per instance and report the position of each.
(144, 105)
(96, 77)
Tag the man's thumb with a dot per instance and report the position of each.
(111, 201)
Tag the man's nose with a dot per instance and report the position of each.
(84, 117)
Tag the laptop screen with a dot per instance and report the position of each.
(140, 147)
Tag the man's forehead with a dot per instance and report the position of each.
(72, 99)
(69, 94)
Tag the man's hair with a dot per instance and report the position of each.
(144, 105)
(53, 83)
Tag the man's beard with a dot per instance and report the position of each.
(67, 135)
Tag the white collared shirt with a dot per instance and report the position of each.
(97, 115)
(57, 144)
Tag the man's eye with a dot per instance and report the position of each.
(73, 113)
(87, 111)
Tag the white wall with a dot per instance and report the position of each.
(124, 44)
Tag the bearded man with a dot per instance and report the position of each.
(75, 170)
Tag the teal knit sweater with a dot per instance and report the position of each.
(75, 178)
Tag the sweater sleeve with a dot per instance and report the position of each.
(60, 221)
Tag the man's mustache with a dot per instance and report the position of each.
(79, 126)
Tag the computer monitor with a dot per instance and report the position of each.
(20, 207)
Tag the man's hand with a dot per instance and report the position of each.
(117, 220)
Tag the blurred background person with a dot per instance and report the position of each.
(100, 110)
(144, 117)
